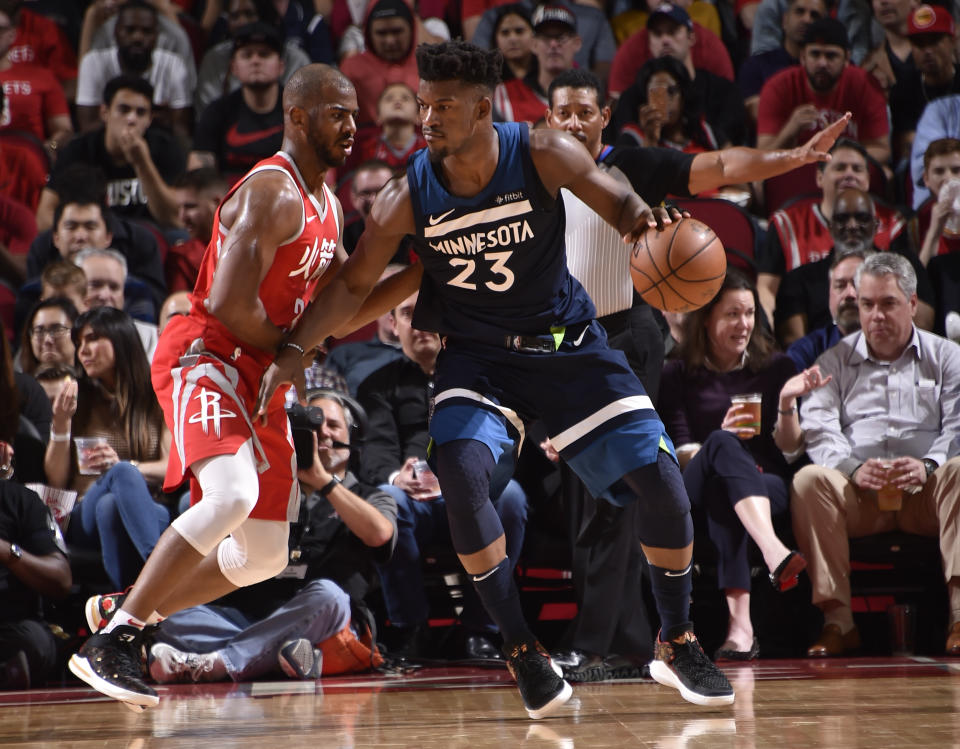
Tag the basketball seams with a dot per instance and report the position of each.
(666, 287)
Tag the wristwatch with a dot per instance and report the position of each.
(930, 465)
(330, 485)
(15, 552)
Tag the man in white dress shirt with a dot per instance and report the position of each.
(888, 416)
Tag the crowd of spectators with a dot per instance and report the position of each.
(123, 125)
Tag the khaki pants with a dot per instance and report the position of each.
(827, 509)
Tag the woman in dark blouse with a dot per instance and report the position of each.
(735, 476)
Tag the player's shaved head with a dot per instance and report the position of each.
(319, 116)
(308, 85)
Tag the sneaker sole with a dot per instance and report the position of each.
(91, 610)
(134, 700)
(663, 674)
(558, 701)
(553, 705)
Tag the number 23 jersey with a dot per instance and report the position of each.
(495, 263)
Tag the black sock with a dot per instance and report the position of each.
(498, 592)
(671, 589)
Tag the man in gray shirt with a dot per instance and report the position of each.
(881, 433)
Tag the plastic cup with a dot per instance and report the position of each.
(85, 447)
(890, 497)
(421, 471)
(751, 403)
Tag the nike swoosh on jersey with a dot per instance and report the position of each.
(239, 140)
(434, 220)
(580, 337)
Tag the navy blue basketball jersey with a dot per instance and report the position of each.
(495, 263)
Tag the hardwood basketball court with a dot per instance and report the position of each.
(872, 703)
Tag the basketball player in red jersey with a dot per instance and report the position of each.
(275, 236)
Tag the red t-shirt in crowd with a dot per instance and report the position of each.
(23, 172)
(39, 41)
(516, 101)
(17, 226)
(708, 53)
(181, 266)
(857, 91)
(34, 95)
(804, 233)
(948, 242)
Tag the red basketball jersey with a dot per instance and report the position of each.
(208, 398)
(298, 264)
(805, 235)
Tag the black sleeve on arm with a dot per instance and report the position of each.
(924, 287)
(770, 254)
(654, 173)
(382, 451)
(210, 128)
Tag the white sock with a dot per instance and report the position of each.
(123, 618)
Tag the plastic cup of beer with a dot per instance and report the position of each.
(429, 480)
(889, 497)
(85, 448)
(750, 406)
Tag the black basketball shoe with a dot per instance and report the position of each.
(100, 609)
(681, 663)
(111, 664)
(540, 680)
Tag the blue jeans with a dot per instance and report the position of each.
(249, 647)
(119, 517)
(423, 523)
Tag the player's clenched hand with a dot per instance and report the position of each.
(286, 369)
(651, 218)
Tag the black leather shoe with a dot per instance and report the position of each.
(408, 642)
(479, 647)
(15, 672)
(728, 652)
(594, 668)
(570, 658)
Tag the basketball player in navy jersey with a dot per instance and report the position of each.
(595, 257)
(520, 342)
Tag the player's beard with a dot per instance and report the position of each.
(327, 153)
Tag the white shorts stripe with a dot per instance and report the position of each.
(570, 435)
(508, 413)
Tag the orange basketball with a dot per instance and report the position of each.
(680, 268)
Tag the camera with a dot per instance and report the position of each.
(304, 422)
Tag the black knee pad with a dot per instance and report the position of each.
(464, 468)
(662, 503)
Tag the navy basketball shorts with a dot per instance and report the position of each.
(593, 406)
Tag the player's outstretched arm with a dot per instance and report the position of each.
(262, 214)
(737, 165)
(340, 301)
(561, 161)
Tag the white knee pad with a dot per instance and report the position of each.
(255, 551)
(230, 486)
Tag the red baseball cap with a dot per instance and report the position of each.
(930, 19)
